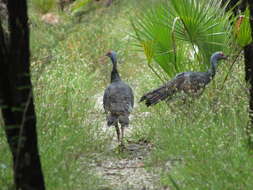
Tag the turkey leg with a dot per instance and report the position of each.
(118, 131)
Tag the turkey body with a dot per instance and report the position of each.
(118, 102)
(191, 83)
(187, 82)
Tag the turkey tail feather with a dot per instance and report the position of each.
(157, 95)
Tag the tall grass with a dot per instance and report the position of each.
(5, 162)
(69, 72)
(201, 143)
(71, 136)
(44, 6)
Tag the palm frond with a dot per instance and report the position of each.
(199, 23)
(242, 29)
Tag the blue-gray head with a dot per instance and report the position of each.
(113, 56)
(217, 56)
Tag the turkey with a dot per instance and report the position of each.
(187, 82)
(118, 100)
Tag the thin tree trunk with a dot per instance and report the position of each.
(17, 100)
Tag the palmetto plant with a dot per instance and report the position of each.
(180, 33)
(242, 30)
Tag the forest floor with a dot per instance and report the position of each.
(128, 173)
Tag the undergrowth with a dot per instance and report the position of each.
(202, 142)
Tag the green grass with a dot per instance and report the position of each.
(203, 139)
(43, 6)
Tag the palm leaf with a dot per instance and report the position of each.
(201, 28)
(242, 29)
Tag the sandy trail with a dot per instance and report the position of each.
(126, 173)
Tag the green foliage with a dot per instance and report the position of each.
(79, 5)
(65, 105)
(6, 172)
(69, 74)
(201, 143)
(242, 29)
(44, 6)
(174, 29)
(71, 134)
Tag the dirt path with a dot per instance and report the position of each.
(126, 173)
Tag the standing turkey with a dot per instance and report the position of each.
(187, 82)
(118, 100)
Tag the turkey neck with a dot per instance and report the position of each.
(212, 70)
(115, 74)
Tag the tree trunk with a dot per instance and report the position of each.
(16, 99)
(248, 55)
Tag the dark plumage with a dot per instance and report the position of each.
(118, 100)
(188, 82)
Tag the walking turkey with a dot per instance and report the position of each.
(118, 100)
(187, 82)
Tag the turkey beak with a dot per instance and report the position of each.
(103, 59)
(225, 57)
